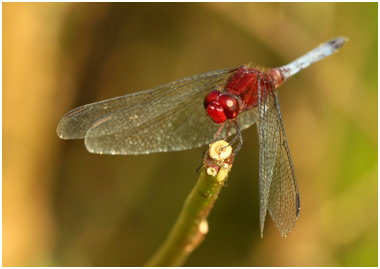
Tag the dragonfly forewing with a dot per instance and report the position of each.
(169, 117)
(111, 125)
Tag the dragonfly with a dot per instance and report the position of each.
(193, 111)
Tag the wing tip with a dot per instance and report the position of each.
(60, 130)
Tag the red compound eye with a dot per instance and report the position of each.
(216, 112)
(211, 97)
(230, 105)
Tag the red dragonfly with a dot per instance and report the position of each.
(172, 117)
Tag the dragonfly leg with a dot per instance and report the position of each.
(219, 131)
(200, 166)
(238, 135)
(228, 130)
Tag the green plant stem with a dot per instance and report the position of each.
(191, 226)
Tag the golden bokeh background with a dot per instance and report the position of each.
(63, 206)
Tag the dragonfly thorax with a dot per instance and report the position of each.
(221, 106)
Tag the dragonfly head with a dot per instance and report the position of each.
(221, 106)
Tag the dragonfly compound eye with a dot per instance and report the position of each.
(216, 112)
(230, 105)
(211, 97)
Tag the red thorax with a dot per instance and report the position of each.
(239, 94)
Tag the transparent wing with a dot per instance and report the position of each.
(166, 118)
(284, 199)
(77, 122)
(268, 139)
(278, 187)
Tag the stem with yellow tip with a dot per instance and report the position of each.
(191, 226)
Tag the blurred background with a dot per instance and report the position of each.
(63, 206)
